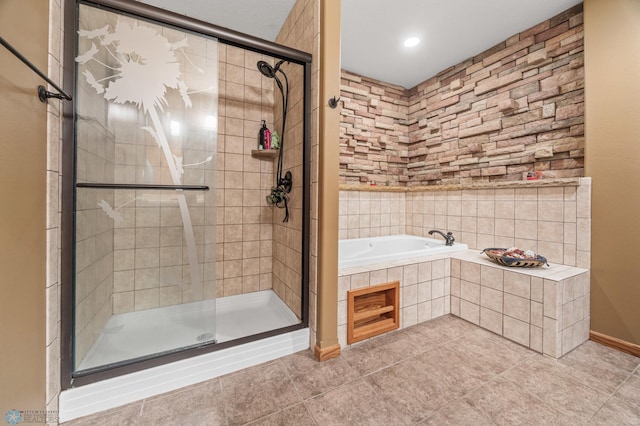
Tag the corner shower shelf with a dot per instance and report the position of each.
(265, 154)
(372, 311)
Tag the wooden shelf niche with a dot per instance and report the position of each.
(372, 311)
(265, 154)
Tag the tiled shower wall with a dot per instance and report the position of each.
(244, 225)
(145, 257)
(151, 267)
(244, 220)
(150, 263)
(54, 178)
(553, 221)
(299, 31)
(95, 231)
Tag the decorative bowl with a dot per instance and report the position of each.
(497, 255)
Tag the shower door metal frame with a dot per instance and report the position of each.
(225, 36)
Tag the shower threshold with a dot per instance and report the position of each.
(138, 334)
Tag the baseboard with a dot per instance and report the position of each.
(615, 343)
(323, 354)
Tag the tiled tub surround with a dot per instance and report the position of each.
(545, 309)
(424, 288)
(551, 217)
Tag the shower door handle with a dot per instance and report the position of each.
(143, 186)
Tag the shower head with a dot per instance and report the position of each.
(267, 70)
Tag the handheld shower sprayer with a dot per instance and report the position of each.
(278, 196)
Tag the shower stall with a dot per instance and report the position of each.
(180, 237)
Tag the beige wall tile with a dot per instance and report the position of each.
(535, 338)
(344, 285)
(583, 201)
(379, 277)
(515, 330)
(517, 284)
(505, 228)
(123, 302)
(553, 252)
(537, 289)
(491, 299)
(147, 299)
(527, 229)
(505, 209)
(537, 313)
(551, 231)
(470, 311)
(424, 291)
(455, 268)
(424, 271)
(455, 287)
(526, 209)
(410, 275)
(470, 272)
(470, 292)
(360, 280)
(552, 299)
(438, 288)
(439, 307)
(517, 307)
(409, 295)
(455, 306)
(552, 211)
(491, 320)
(492, 277)
(424, 311)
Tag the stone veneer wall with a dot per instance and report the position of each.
(374, 131)
(514, 108)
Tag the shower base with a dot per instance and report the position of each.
(138, 334)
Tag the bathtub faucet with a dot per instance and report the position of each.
(448, 236)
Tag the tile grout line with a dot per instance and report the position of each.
(530, 394)
(304, 400)
(613, 394)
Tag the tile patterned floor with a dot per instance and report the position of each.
(442, 372)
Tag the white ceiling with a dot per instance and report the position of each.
(260, 18)
(372, 31)
(450, 31)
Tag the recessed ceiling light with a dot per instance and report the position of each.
(411, 41)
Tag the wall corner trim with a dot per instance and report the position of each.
(324, 354)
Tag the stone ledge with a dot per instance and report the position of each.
(540, 183)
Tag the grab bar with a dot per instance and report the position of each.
(142, 186)
(43, 93)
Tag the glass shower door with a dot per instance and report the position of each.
(145, 202)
